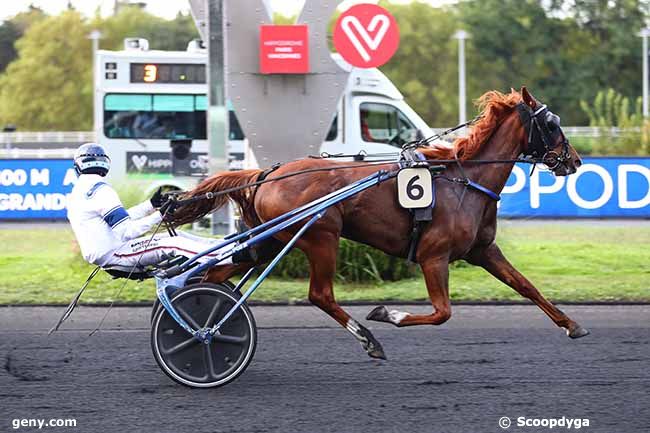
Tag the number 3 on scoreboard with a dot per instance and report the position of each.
(150, 73)
(414, 188)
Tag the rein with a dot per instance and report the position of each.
(211, 195)
(531, 159)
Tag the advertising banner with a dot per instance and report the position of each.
(602, 188)
(35, 188)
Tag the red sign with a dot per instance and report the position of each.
(284, 49)
(366, 35)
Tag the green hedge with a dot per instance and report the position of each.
(355, 263)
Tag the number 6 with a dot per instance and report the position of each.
(413, 190)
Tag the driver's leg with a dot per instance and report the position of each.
(142, 251)
(154, 252)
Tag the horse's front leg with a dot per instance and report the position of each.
(321, 248)
(436, 276)
(492, 260)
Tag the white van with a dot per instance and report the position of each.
(372, 115)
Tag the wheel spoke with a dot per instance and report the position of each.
(181, 346)
(209, 361)
(185, 315)
(229, 339)
(213, 314)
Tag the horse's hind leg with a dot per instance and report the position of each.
(492, 260)
(436, 276)
(321, 252)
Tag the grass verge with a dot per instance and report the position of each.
(566, 261)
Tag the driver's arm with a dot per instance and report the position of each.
(141, 210)
(125, 225)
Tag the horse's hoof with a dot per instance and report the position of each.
(377, 352)
(378, 314)
(369, 342)
(577, 331)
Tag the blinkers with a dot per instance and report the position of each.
(543, 131)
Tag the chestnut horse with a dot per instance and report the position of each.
(463, 226)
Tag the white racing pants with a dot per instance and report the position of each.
(144, 253)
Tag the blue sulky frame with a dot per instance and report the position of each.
(173, 279)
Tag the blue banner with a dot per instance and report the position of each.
(35, 188)
(604, 187)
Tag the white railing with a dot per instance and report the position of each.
(42, 145)
(55, 153)
(47, 137)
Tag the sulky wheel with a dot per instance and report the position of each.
(191, 362)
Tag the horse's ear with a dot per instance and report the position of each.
(528, 98)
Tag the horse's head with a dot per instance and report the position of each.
(544, 137)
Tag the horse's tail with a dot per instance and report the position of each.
(215, 183)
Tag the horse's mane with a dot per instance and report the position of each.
(494, 106)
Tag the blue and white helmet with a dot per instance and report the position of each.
(91, 158)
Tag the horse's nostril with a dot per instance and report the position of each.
(577, 163)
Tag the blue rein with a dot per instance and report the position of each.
(493, 195)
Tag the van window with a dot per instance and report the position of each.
(160, 116)
(384, 123)
(334, 129)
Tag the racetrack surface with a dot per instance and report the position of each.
(309, 375)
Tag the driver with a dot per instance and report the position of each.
(365, 129)
(111, 236)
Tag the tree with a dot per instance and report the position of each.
(8, 36)
(24, 20)
(518, 43)
(49, 85)
(612, 109)
(132, 22)
(11, 30)
(424, 66)
(603, 49)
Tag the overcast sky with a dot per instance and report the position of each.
(164, 8)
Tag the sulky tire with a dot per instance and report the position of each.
(195, 364)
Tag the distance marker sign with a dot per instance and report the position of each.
(366, 35)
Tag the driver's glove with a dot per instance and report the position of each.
(158, 198)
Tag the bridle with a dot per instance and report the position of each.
(543, 131)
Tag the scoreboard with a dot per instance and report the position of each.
(172, 73)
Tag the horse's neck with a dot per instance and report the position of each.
(504, 144)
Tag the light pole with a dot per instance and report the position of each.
(95, 36)
(461, 35)
(222, 220)
(644, 34)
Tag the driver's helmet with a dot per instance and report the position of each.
(91, 158)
